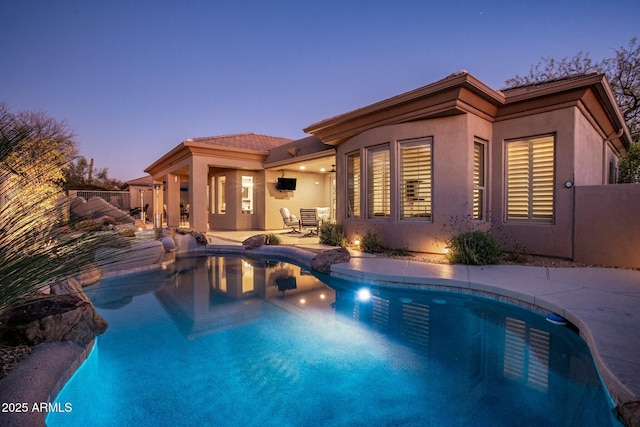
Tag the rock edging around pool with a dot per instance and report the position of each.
(36, 381)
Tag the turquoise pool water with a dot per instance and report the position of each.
(241, 342)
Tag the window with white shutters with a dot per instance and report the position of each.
(530, 179)
(415, 179)
(353, 185)
(379, 182)
(478, 180)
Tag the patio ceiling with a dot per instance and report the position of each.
(319, 165)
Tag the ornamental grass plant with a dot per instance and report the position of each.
(39, 244)
(475, 247)
(332, 235)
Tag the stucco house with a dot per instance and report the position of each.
(529, 163)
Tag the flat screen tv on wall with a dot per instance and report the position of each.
(286, 184)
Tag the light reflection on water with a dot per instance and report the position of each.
(233, 341)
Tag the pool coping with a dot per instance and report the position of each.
(553, 289)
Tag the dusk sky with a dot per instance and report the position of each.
(134, 78)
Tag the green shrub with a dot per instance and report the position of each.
(400, 252)
(332, 234)
(371, 243)
(272, 239)
(517, 254)
(474, 248)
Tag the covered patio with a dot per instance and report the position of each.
(230, 182)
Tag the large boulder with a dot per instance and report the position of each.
(168, 243)
(139, 255)
(187, 240)
(255, 241)
(54, 318)
(629, 413)
(89, 275)
(184, 243)
(97, 207)
(323, 261)
(69, 287)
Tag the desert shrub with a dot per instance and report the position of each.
(474, 248)
(332, 234)
(400, 252)
(371, 243)
(273, 239)
(88, 225)
(109, 220)
(201, 239)
(517, 254)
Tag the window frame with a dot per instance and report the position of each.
(533, 193)
(353, 193)
(481, 186)
(221, 202)
(373, 175)
(246, 200)
(405, 194)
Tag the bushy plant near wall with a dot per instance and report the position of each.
(273, 239)
(332, 235)
(371, 243)
(474, 247)
(400, 252)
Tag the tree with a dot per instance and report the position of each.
(82, 175)
(38, 244)
(629, 165)
(622, 71)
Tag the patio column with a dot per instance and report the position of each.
(173, 200)
(198, 197)
(157, 197)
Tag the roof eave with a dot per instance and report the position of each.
(194, 146)
(328, 129)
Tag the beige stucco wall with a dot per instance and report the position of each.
(549, 239)
(481, 130)
(234, 218)
(198, 196)
(581, 157)
(452, 181)
(607, 230)
(589, 153)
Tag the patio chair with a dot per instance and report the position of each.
(289, 220)
(309, 219)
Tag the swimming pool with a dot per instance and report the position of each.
(233, 341)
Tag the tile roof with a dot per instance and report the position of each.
(247, 141)
(145, 180)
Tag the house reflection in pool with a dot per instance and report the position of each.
(215, 293)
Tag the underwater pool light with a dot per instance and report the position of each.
(364, 294)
